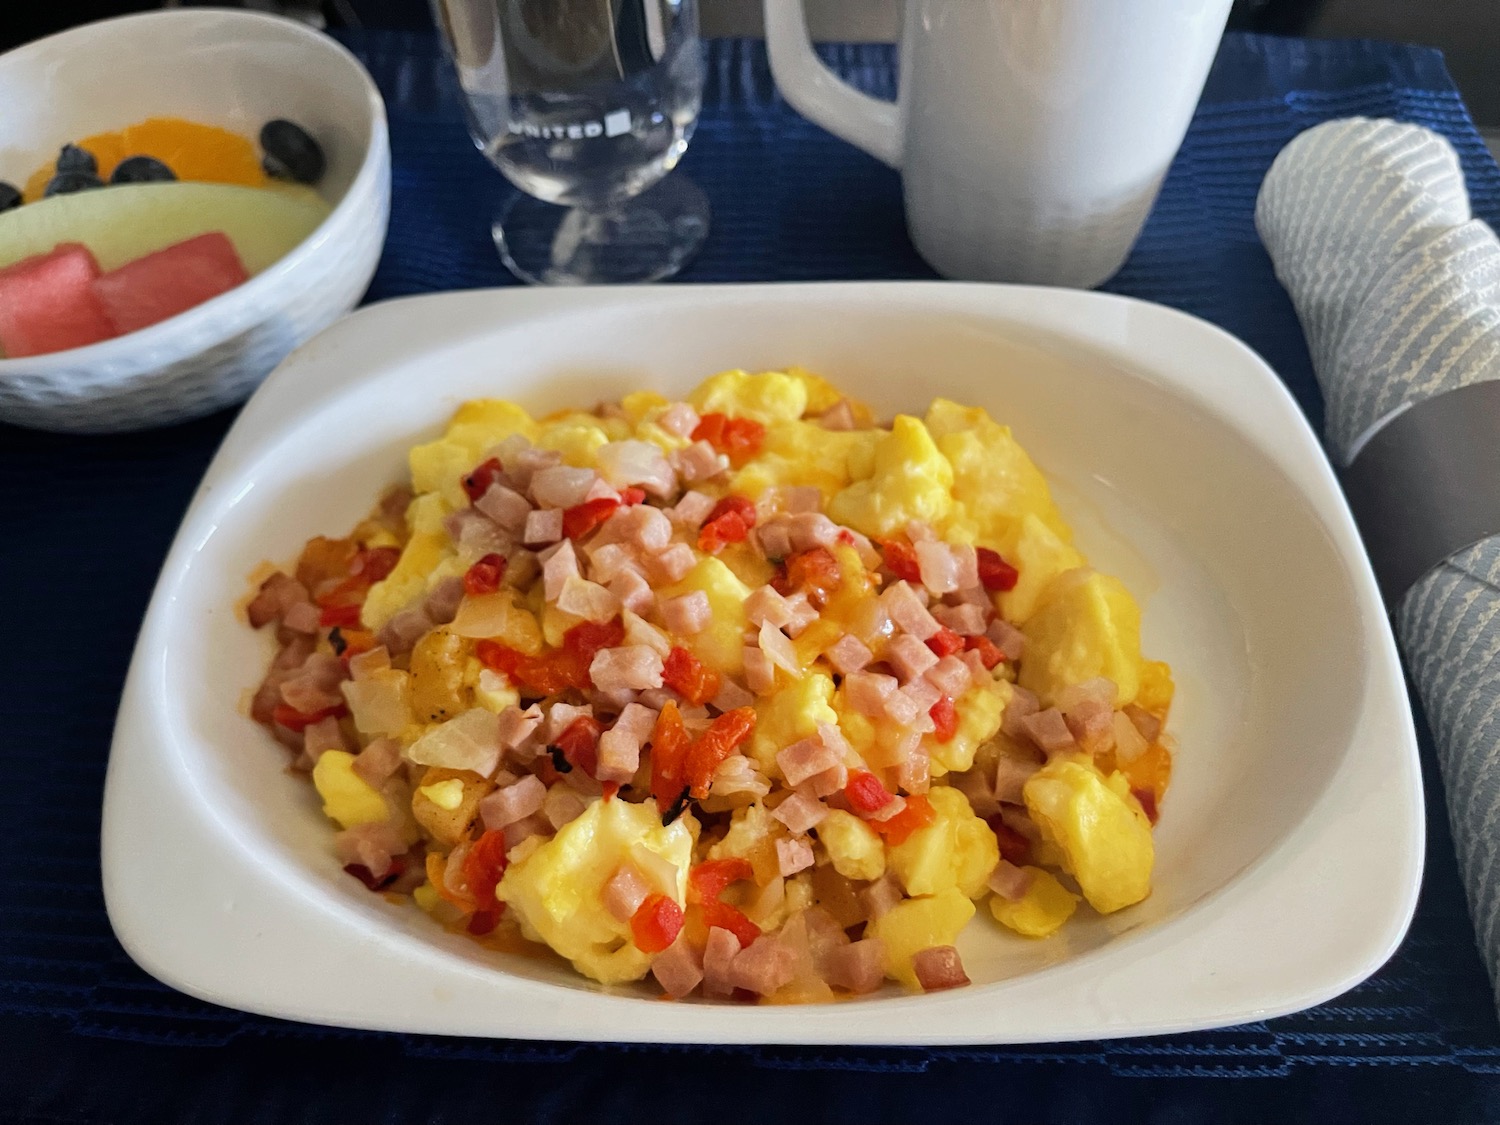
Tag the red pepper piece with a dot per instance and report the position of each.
(685, 674)
(945, 642)
(374, 564)
(298, 721)
(944, 719)
(994, 572)
(485, 575)
(669, 746)
(865, 792)
(1014, 848)
(988, 652)
(483, 867)
(726, 917)
(901, 560)
(579, 743)
(339, 617)
(632, 496)
(721, 739)
(708, 880)
(918, 813)
(581, 519)
(655, 924)
(478, 482)
(739, 438)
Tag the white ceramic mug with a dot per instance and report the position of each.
(1032, 135)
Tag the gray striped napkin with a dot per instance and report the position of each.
(1398, 290)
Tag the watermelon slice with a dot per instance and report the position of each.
(48, 303)
(171, 281)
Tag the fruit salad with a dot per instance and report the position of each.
(747, 694)
(125, 229)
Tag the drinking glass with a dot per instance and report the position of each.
(586, 106)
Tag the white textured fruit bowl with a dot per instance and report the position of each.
(233, 69)
(1290, 844)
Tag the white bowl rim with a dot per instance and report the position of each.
(119, 349)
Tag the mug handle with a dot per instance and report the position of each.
(820, 95)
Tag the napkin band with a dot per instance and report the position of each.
(1427, 484)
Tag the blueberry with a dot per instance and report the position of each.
(290, 153)
(141, 170)
(65, 182)
(74, 159)
(9, 196)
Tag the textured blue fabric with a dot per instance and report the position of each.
(85, 1036)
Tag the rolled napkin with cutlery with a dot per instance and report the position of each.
(1398, 289)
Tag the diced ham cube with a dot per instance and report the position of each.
(907, 611)
(641, 526)
(923, 694)
(588, 600)
(800, 498)
(887, 810)
(687, 615)
(858, 967)
(900, 709)
(966, 558)
(560, 565)
(1011, 775)
(811, 529)
(507, 507)
(793, 856)
(1100, 689)
(699, 461)
(774, 539)
(977, 786)
(534, 825)
(834, 739)
(764, 966)
(504, 807)
(849, 654)
(803, 614)
(1008, 639)
(966, 620)
(732, 694)
(518, 727)
(315, 686)
(320, 737)
(1022, 703)
(939, 967)
(633, 591)
(372, 846)
(691, 510)
(444, 599)
(839, 416)
(1092, 722)
(915, 773)
(276, 595)
(543, 526)
(404, 630)
(909, 657)
(600, 490)
(760, 673)
(561, 715)
(522, 462)
(673, 564)
(1145, 722)
(610, 560)
(939, 569)
(679, 968)
(620, 745)
(830, 781)
(766, 606)
(880, 896)
(476, 534)
(302, 617)
(624, 891)
(951, 676)
(627, 668)
(866, 692)
(1049, 730)
(801, 760)
(377, 762)
(561, 486)
(1009, 881)
(799, 813)
(678, 418)
(718, 955)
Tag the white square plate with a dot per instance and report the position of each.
(1290, 846)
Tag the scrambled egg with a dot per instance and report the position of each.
(954, 470)
(555, 890)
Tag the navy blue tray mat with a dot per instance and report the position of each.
(85, 1036)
